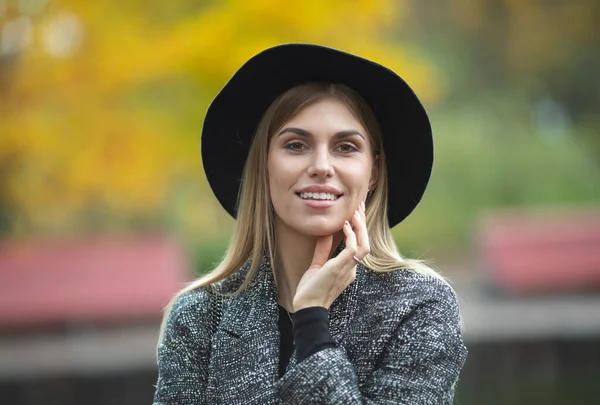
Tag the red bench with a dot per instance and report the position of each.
(541, 251)
(50, 281)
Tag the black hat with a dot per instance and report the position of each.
(233, 116)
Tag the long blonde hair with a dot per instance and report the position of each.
(254, 234)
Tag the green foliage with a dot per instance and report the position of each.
(491, 155)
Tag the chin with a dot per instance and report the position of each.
(310, 228)
(317, 232)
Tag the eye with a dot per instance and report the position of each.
(347, 148)
(294, 146)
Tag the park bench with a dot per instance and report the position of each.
(541, 251)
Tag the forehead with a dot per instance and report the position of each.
(326, 115)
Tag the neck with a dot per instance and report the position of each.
(293, 256)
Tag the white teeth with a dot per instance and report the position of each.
(318, 196)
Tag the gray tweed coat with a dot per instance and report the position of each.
(398, 338)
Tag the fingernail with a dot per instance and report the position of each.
(347, 223)
(362, 205)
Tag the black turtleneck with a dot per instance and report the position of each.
(308, 329)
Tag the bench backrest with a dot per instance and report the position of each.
(542, 251)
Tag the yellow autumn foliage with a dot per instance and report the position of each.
(76, 141)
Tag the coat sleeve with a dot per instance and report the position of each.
(184, 351)
(420, 364)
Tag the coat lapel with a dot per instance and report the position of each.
(245, 350)
(343, 308)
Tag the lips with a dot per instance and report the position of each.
(319, 195)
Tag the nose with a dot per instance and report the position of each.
(320, 165)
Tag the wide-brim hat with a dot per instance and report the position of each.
(234, 114)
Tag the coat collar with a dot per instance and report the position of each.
(255, 308)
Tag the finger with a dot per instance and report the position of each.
(361, 212)
(322, 250)
(349, 251)
(362, 235)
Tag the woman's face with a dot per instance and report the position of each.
(320, 166)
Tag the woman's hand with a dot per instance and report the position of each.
(325, 279)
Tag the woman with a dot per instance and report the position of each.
(317, 153)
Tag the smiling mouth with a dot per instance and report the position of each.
(319, 196)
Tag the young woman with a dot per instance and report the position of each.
(317, 154)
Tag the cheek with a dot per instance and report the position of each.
(359, 176)
(279, 176)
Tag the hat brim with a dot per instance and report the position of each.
(234, 115)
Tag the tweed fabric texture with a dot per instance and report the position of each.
(398, 336)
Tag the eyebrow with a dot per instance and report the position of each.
(338, 135)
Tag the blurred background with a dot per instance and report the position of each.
(105, 211)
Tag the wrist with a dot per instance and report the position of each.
(302, 305)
